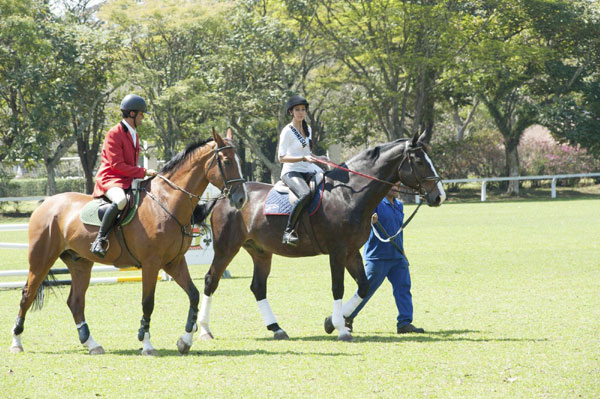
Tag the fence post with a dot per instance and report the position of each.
(483, 188)
(553, 186)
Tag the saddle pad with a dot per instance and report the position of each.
(89, 213)
(279, 204)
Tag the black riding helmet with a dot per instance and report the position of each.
(296, 100)
(133, 102)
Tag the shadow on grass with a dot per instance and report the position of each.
(220, 352)
(429, 336)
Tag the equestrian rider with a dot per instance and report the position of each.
(295, 145)
(118, 166)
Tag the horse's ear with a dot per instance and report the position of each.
(229, 134)
(415, 139)
(423, 138)
(217, 138)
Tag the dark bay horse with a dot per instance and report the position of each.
(347, 204)
(157, 238)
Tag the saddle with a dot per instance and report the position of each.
(281, 199)
(93, 212)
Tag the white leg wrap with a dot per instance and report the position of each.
(337, 317)
(188, 338)
(16, 341)
(352, 303)
(265, 312)
(204, 315)
(90, 343)
(146, 345)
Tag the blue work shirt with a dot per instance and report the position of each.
(391, 217)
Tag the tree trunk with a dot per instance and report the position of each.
(51, 179)
(512, 168)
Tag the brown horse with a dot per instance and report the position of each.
(157, 238)
(347, 204)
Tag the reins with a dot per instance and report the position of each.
(391, 238)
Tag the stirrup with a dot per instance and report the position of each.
(97, 247)
(290, 238)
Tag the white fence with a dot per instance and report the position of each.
(552, 178)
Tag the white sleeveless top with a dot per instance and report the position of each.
(292, 143)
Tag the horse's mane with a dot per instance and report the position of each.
(178, 159)
(369, 156)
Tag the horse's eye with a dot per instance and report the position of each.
(227, 162)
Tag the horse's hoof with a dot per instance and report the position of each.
(16, 349)
(280, 335)
(182, 347)
(206, 337)
(149, 352)
(97, 351)
(345, 337)
(328, 325)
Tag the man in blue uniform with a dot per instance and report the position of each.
(387, 259)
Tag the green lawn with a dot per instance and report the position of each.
(509, 294)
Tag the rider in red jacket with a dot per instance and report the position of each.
(118, 166)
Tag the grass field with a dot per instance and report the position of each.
(508, 292)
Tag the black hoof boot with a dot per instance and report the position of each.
(98, 247)
(290, 238)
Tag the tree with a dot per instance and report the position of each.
(166, 44)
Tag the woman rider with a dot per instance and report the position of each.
(295, 144)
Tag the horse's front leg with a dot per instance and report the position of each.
(337, 261)
(356, 269)
(149, 276)
(181, 274)
(225, 249)
(262, 269)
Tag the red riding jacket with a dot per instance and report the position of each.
(118, 161)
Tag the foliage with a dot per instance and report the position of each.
(545, 157)
(38, 187)
(480, 155)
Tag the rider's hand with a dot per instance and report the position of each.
(150, 172)
(374, 218)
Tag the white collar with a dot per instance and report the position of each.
(131, 130)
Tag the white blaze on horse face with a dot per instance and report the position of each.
(439, 183)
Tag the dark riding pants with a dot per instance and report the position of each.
(298, 183)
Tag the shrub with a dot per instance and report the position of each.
(541, 155)
(480, 155)
(37, 187)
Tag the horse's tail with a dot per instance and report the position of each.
(50, 282)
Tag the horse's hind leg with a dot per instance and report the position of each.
(262, 269)
(43, 252)
(181, 274)
(81, 270)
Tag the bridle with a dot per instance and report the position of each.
(225, 192)
(407, 156)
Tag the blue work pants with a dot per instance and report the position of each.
(397, 273)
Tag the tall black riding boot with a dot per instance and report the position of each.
(108, 220)
(290, 237)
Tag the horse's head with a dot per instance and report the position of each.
(228, 173)
(417, 172)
